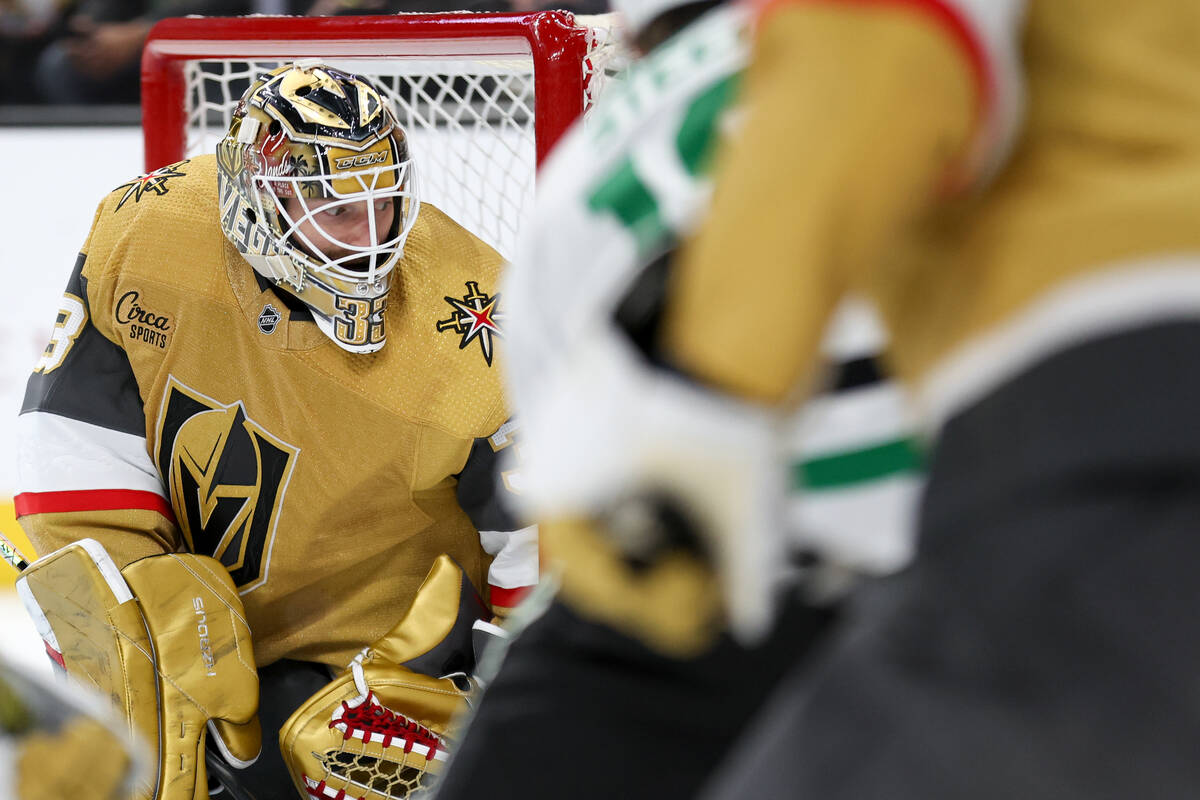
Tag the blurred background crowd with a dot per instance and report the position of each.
(87, 52)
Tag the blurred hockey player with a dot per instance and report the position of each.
(270, 402)
(1016, 186)
(59, 742)
(625, 683)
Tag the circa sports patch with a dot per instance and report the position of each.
(153, 182)
(142, 324)
(476, 317)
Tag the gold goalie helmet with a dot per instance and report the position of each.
(317, 194)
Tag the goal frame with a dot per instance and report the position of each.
(557, 45)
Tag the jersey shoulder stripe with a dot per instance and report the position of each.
(91, 500)
(57, 453)
(82, 375)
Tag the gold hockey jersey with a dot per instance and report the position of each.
(185, 404)
(1076, 124)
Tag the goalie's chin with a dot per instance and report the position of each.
(357, 261)
(360, 265)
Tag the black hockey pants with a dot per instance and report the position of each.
(1046, 643)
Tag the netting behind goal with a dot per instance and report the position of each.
(482, 96)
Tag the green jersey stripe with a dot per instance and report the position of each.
(626, 196)
(857, 466)
(699, 129)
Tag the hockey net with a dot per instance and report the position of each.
(483, 97)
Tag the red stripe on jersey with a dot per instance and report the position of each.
(948, 17)
(508, 598)
(91, 500)
(55, 656)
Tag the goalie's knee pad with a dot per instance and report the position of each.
(166, 640)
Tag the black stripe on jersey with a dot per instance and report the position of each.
(856, 374)
(480, 490)
(297, 310)
(95, 383)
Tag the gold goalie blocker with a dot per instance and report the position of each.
(166, 640)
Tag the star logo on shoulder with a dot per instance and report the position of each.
(153, 182)
(476, 318)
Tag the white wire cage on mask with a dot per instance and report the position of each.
(352, 238)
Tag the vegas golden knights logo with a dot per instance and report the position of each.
(226, 477)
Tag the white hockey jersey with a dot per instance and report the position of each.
(614, 200)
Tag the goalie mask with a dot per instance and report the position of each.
(316, 190)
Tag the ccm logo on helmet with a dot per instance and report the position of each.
(363, 160)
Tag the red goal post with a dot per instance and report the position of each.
(484, 97)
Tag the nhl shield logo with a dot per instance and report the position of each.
(268, 320)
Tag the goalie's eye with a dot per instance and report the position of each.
(335, 211)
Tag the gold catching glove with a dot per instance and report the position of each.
(381, 729)
(166, 640)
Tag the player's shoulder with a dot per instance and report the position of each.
(439, 246)
(447, 323)
(157, 223)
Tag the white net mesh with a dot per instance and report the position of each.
(608, 55)
(470, 122)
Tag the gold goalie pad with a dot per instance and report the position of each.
(166, 640)
(380, 731)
